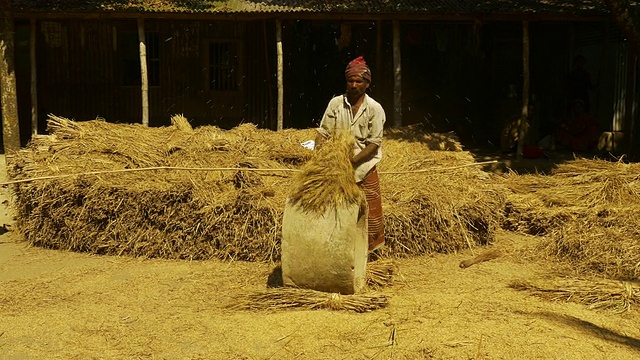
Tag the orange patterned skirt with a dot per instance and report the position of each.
(371, 187)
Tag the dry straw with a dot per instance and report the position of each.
(589, 212)
(231, 214)
(438, 211)
(617, 296)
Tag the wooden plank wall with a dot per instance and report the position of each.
(80, 72)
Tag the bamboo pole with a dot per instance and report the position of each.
(522, 132)
(143, 73)
(10, 122)
(34, 79)
(397, 76)
(280, 74)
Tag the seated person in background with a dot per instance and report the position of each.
(579, 131)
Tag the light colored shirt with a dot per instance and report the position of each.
(367, 127)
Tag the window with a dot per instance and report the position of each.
(130, 50)
(223, 66)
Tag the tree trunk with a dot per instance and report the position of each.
(10, 125)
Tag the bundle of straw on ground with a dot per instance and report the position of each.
(294, 298)
(589, 211)
(200, 213)
(617, 296)
(380, 274)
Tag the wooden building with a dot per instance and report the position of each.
(452, 65)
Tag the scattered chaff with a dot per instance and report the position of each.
(294, 298)
(617, 296)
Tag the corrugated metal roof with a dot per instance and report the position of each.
(585, 7)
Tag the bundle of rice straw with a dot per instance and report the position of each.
(588, 211)
(617, 296)
(380, 274)
(294, 298)
(327, 180)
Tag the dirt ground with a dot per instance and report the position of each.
(60, 305)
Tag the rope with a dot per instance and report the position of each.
(437, 169)
(51, 177)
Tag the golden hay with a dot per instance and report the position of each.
(326, 180)
(229, 214)
(596, 294)
(288, 298)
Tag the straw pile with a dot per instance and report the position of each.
(616, 296)
(203, 213)
(439, 210)
(589, 211)
(169, 214)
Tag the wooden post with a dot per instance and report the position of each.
(397, 76)
(525, 89)
(630, 96)
(269, 77)
(10, 122)
(378, 69)
(34, 79)
(143, 73)
(280, 74)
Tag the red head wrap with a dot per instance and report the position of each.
(358, 67)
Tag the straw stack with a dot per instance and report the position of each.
(202, 214)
